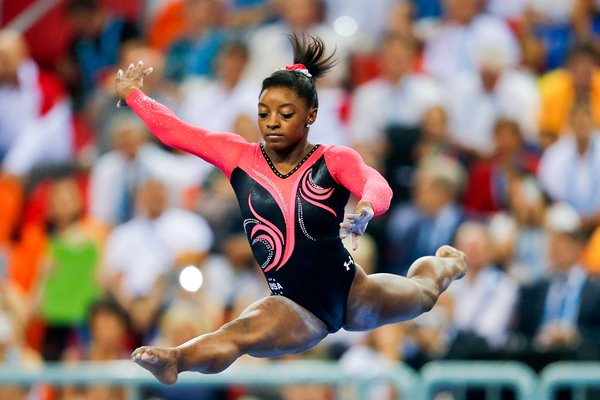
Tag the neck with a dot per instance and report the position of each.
(582, 145)
(289, 156)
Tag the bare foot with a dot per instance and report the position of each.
(160, 361)
(461, 260)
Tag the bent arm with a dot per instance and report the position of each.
(221, 149)
(349, 170)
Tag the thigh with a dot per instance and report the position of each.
(275, 326)
(380, 299)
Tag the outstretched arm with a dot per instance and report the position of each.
(349, 170)
(221, 149)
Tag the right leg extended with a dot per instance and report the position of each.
(381, 299)
(271, 327)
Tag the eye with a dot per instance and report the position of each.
(287, 116)
(262, 115)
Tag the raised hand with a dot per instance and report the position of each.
(130, 80)
(356, 223)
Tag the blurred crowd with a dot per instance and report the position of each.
(483, 115)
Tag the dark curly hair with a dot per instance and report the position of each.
(309, 51)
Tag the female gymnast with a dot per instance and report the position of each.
(292, 195)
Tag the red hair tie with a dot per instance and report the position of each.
(298, 67)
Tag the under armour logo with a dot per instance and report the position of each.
(348, 263)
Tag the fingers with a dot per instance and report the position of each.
(355, 241)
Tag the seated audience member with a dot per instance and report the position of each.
(386, 111)
(227, 101)
(193, 53)
(68, 283)
(14, 352)
(568, 170)
(561, 89)
(98, 37)
(179, 323)
(448, 50)
(35, 111)
(417, 228)
(107, 324)
(434, 136)
(142, 255)
(482, 302)
(495, 89)
(557, 317)
(518, 232)
(489, 179)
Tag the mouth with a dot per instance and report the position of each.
(273, 135)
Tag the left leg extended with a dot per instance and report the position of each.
(381, 299)
(270, 327)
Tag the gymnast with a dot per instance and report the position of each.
(292, 195)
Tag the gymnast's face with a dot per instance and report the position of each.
(282, 118)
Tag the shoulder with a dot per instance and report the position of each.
(340, 153)
(372, 87)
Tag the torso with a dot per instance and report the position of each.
(292, 222)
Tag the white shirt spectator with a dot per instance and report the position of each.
(208, 104)
(270, 50)
(35, 122)
(474, 112)
(142, 249)
(567, 176)
(329, 127)
(113, 174)
(380, 103)
(485, 305)
(452, 48)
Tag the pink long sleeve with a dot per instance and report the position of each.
(222, 149)
(349, 170)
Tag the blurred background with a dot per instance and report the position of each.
(482, 114)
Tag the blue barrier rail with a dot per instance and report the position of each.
(577, 377)
(135, 379)
(454, 377)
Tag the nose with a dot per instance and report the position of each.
(273, 122)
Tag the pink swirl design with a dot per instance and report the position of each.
(313, 193)
(265, 232)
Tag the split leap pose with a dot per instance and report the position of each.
(292, 196)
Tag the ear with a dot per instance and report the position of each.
(312, 116)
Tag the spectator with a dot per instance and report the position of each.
(107, 324)
(568, 168)
(518, 233)
(489, 179)
(430, 219)
(449, 50)
(192, 54)
(227, 101)
(482, 302)
(143, 253)
(578, 81)
(101, 108)
(35, 116)
(388, 110)
(296, 16)
(98, 38)
(496, 90)
(116, 175)
(14, 352)
(556, 318)
(68, 284)
(434, 136)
